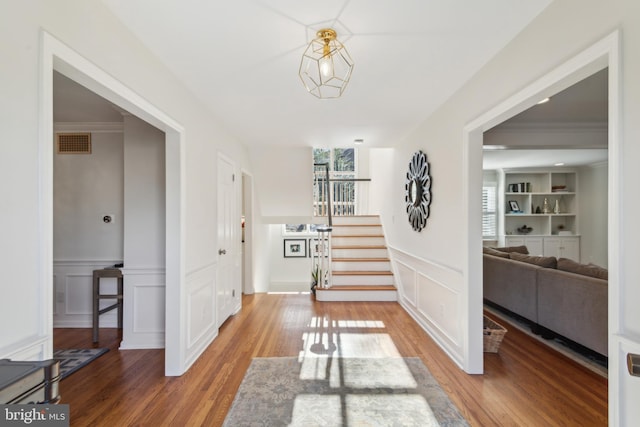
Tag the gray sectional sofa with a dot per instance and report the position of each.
(556, 296)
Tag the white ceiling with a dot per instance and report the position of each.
(241, 58)
(75, 103)
(586, 102)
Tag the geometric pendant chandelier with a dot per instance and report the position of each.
(326, 66)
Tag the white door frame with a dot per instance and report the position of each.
(603, 54)
(55, 55)
(247, 250)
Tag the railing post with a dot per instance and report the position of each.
(324, 255)
(327, 192)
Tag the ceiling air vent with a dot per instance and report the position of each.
(74, 143)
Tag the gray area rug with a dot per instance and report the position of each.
(73, 359)
(325, 391)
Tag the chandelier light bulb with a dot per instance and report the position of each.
(326, 66)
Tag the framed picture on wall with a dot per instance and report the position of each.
(314, 247)
(295, 248)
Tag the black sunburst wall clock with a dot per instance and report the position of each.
(418, 191)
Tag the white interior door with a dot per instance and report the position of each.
(226, 239)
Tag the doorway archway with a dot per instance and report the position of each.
(603, 54)
(55, 55)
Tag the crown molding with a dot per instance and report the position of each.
(94, 127)
(574, 127)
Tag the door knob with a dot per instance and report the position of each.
(633, 363)
(222, 251)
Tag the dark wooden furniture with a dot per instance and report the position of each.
(29, 382)
(97, 297)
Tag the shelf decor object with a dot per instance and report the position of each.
(418, 191)
(326, 66)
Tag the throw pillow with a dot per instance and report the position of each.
(490, 251)
(520, 249)
(590, 270)
(542, 261)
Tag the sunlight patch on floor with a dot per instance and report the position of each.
(356, 373)
(402, 410)
(317, 410)
(369, 324)
(334, 343)
(362, 410)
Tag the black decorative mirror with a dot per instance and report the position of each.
(418, 191)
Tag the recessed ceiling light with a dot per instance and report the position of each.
(559, 164)
(542, 101)
(358, 141)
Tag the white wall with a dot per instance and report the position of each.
(283, 180)
(144, 235)
(93, 33)
(593, 219)
(288, 274)
(381, 172)
(559, 33)
(85, 188)
(144, 194)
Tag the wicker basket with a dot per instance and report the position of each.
(493, 334)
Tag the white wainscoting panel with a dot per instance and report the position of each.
(77, 293)
(201, 310)
(431, 294)
(31, 348)
(407, 283)
(439, 304)
(149, 317)
(144, 308)
(73, 293)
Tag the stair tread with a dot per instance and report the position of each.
(362, 273)
(358, 288)
(361, 260)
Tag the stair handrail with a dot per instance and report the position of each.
(328, 191)
(349, 179)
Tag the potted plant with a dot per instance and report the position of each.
(316, 274)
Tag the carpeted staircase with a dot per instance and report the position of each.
(360, 268)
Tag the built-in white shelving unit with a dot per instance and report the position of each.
(545, 202)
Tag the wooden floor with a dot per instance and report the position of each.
(525, 384)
